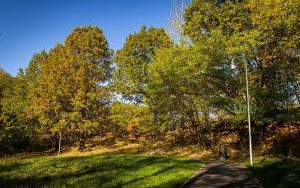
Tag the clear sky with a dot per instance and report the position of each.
(28, 26)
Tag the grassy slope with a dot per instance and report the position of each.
(97, 171)
(275, 173)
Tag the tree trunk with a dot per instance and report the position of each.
(290, 141)
(82, 142)
(199, 134)
(59, 144)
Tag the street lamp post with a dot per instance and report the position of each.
(248, 106)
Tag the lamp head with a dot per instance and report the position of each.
(232, 65)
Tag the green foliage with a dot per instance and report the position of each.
(132, 61)
(130, 118)
(221, 32)
(188, 90)
(5, 81)
(174, 82)
(90, 45)
(204, 20)
(18, 129)
(267, 34)
(68, 96)
(178, 91)
(277, 27)
(97, 170)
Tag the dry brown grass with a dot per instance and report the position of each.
(109, 145)
(149, 149)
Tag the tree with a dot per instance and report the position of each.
(132, 61)
(176, 23)
(69, 96)
(277, 85)
(18, 127)
(277, 29)
(266, 33)
(5, 81)
(177, 91)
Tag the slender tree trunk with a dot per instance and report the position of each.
(82, 141)
(198, 128)
(66, 139)
(241, 144)
(199, 134)
(290, 141)
(59, 143)
(298, 128)
(289, 104)
(208, 126)
(241, 135)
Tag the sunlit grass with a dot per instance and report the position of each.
(97, 171)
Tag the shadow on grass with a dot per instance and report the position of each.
(11, 167)
(47, 179)
(93, 171)
(278, 174)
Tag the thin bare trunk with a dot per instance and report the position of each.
(59, 144)
(290, 141)
(197, 129)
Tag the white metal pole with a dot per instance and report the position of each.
(248, 110)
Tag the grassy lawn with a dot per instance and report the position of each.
(275, 173)
(97, 171)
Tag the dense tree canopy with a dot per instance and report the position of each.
(5, 81)
(193, 90)
(67, 96)
(132, 61)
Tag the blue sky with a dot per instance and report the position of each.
(28, 26)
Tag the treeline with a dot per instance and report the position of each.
(157, 85)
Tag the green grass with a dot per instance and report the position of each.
(275, 173)
(97, 171)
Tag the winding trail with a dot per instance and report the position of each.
(219, 174)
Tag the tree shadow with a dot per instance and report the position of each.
(279, 174)
(11, 167)
(96, 171)
(50, 180)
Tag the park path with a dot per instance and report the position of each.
(219, 174)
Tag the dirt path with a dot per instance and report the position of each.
(218, 174)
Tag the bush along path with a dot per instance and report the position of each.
(220, 174)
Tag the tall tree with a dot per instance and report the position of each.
(5, 83)
(277, 28)
(176, 23)
(20, 128)
(266, 33)
(69, 96)
(132, 61)
(177, 91)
